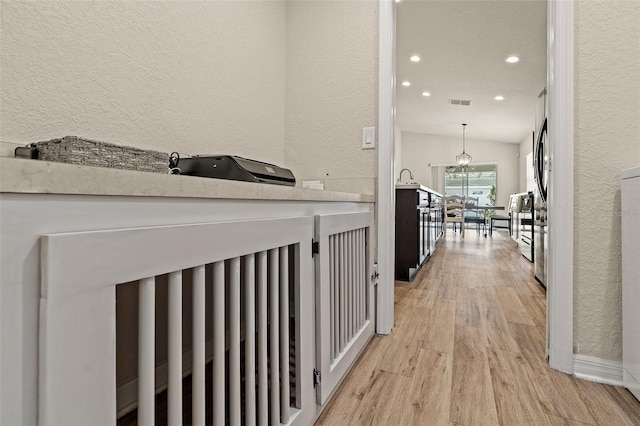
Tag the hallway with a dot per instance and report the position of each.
(468, 349)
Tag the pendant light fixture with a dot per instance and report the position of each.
(463, 159)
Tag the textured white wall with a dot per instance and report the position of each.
(607, 140)
(197, 77)
(526, 147)
(420, 150)
(332, 86)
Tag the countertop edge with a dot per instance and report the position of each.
(43, 177)
(416, 186)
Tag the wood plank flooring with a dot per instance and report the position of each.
(468, 349)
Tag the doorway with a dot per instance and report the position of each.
(560, 87)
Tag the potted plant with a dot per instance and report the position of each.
(492, 201)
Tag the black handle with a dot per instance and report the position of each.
(539, 162)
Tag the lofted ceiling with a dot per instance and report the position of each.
(463, 46)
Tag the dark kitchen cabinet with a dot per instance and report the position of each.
(418, 227)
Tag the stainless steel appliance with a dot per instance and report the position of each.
(425, 234)
(541, 175)
(513, 209)
(525, 226)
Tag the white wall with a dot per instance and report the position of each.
(607, 140)
(419, 150)
(288, 82)
(332, 86)
(525, 148)
(196, 77)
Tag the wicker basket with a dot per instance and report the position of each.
(87, 152)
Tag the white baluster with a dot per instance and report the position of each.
(146, 351)
(359, 276)
(250, 340)
(363, 277)
(356, 280)
(174, 409)
(343, 301)
(332, 295)
(274, 340)
(263, 380)
(218, 344)
(284, 334)
(352, 285)
(198, 381)
(234, 344)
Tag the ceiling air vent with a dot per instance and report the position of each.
(463, 102)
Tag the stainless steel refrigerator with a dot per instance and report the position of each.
(541, 174)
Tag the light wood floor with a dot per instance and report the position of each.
(468, 349)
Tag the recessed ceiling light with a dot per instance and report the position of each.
(415, 58)
(512, 59)
(499, 98)
(425, 93)
(406, 83)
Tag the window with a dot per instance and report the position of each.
(480, 178)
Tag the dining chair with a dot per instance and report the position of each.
(454, 213)
(473, 214)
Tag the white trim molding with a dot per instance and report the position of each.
(385, 203)
(560, 53)
(597, 370)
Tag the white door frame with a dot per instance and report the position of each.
(386, 199)
(560, 24)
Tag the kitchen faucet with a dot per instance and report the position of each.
(410, 175)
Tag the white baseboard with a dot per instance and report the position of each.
(597, 370)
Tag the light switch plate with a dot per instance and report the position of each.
(368, 137)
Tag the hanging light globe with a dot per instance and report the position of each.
(463, 159)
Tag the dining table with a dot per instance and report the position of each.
(469, 206)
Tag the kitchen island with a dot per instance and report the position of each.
(419, 225)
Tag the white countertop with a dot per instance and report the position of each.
(415, 185)
(43, 177)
